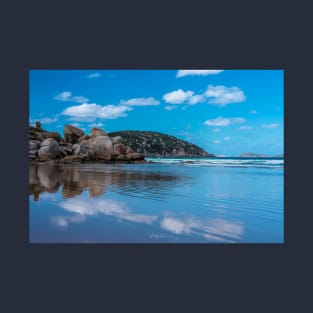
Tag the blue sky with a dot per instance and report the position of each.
(226, 112)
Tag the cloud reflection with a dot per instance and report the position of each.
(210, 229)
(88, 207)
(63, 221)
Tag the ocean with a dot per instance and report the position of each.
(168, 200)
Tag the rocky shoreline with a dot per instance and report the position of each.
(77, 147)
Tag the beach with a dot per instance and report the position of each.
(169, 200)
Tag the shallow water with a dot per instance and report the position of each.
(178, 201)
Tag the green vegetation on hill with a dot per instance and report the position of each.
(157, 144)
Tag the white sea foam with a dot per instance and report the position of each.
(222, 162)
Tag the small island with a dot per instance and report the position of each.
(117, 147)
(252, 155)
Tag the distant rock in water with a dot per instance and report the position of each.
(252, 155)
(157, 144)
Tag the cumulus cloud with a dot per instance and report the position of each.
(178, 96)
(48, 120)
(221, 95)
(182, 73)
(171, 107)
(274, 125)
(93, 75)
(196, 99)
(216, 95)
(216, 141)
(245, 128)
(226, 138)
(92, 111)
(216, 130)
(140, 101)
(67, 96)
(221, 121)
(97, 125)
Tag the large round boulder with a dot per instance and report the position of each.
(95, 132)
(83, 150)
(49, 149)
(119, 149)
(102, 147)
(66, 148)
(72, 133)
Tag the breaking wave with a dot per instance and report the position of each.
(221, 162)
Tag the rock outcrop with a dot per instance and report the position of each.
(72, 133)
(78, 147)
(49, 150)
(100, 144)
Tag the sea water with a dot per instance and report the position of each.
(168, 200)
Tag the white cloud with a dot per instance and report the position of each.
(48, 120)
(217, 95)
(63, 96)
(171, 107)
(140, 101)
(221, 95)
(182, 73)
(91, 111)
(67, 96)
(220, 121)
(253, 112)
(216, 130)
(226, 138)
(97, 125)
(216, 141)
(93, 75)
(178, 96)
(245, 128)
(196, 99)
(270, 125)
